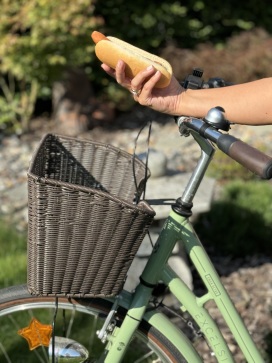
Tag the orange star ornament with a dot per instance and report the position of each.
(36, 334)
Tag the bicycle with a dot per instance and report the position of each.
(130, 327)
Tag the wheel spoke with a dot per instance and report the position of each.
(71, 322)
(79, 323)
(147, 355)
(5, 353)
(38, 355)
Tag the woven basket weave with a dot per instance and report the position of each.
(84, 229)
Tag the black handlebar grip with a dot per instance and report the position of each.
(251, 158)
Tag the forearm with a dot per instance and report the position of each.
(248, 103)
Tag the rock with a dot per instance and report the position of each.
(162, 192)
(157, 162)
(71, 102)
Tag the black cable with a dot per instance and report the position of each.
(146, 162)
(53, 328)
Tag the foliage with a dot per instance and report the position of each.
(152, 24)
(244, 57)
(38, 40)
(240, 222)
(13, 256)
(41, 38)
(182, 26)
(17, 106)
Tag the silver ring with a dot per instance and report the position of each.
(135, 92)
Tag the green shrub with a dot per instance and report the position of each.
(240, 223)
(152, 24)
(38, 40)
(224, 169)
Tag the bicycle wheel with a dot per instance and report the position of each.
(77, 319)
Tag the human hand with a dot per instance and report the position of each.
(164, 100)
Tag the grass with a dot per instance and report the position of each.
(13, 255)
(240, 222)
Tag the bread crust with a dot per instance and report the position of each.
(142, 52)
(109, 52)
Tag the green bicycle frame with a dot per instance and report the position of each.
(178, 228)
(216, 292)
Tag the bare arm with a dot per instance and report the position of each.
(249, 103)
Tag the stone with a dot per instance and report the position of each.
(71, 97)
(157, 162)
(162, 192)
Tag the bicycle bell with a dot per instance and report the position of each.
(216, 118)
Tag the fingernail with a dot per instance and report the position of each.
(120, 64)
(149, 68)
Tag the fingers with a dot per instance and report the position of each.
(118, 73)
(141, 85)
(138, 81)
(108, 69)
(149, 85)
(136, 84)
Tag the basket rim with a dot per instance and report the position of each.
(142, 206)
(89, 141)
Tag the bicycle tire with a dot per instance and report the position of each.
(17, 305)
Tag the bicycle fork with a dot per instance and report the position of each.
(119, 338)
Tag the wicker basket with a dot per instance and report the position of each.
(84, 229)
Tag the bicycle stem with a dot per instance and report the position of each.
(207, 152)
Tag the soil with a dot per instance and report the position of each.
(250, 287)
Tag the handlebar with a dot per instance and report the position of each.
(251, 158)
(246, 155)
